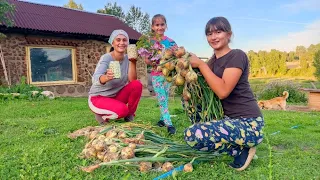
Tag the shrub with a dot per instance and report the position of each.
(24, 89)
(276, 88)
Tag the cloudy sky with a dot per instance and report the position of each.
(257, 25)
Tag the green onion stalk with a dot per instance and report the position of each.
(203, 101)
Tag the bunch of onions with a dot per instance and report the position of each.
(147, 156)
(197, 96)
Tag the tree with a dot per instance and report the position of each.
(73, 5)
(316, 64)
(255, 66)
(113, 9)
(6, 13)
(291, 56)
(134, 18)
(138, 20)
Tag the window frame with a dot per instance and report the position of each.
(73, 61)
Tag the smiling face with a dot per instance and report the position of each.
(218, 32)
(120, 43)
(159, 26)
(218, 39)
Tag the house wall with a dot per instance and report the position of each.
(88, 53)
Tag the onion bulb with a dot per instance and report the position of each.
(145, 166)
(188, 167)
(100, 155)
(167, 166)
(169, 65)
(186, 95)
(127, 153)
(132, 145)
(111, 134)
(110, 157)
(122, 135)
(179, 81)
(191, 76)
(168, 54)
(165, 71)
(184, 72)
(89, 152)
(169, 78)
(93, 134)
(112, 148)
(180, 52)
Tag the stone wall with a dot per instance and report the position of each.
(88, 53)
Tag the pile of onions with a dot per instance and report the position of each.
(138, 148)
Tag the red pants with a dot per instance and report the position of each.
(116, 107)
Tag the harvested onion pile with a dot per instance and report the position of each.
(135, 147)
(200, 102)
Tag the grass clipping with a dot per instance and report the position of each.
(135, 147)
(200, 102)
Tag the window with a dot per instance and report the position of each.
(51, 65)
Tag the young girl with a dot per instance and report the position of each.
(160, 85)
(110, 97)
(227, 75)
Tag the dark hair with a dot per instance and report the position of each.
(218, 24)
(156, 17)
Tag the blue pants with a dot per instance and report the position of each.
(226, 135)
(162, 88)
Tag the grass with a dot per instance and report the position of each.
(34, 143)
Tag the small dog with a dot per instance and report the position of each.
(275, 103)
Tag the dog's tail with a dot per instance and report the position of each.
(285, 94)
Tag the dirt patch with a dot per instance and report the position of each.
(299, 108)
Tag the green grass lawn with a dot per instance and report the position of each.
(34, 143)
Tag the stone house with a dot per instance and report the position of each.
(57, 48)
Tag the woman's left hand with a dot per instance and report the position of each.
(195, 61)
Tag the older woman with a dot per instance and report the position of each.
(113, 97)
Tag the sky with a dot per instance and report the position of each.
(256, 25)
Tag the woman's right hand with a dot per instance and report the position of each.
(107, 76)
(195, 61)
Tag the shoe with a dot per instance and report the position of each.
(171, 130)
(160, 123)
(100, 120)
(129, 118)
(242, 161)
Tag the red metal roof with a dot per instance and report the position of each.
(64, 20)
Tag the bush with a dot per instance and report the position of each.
(276, 88)
(24, 89)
